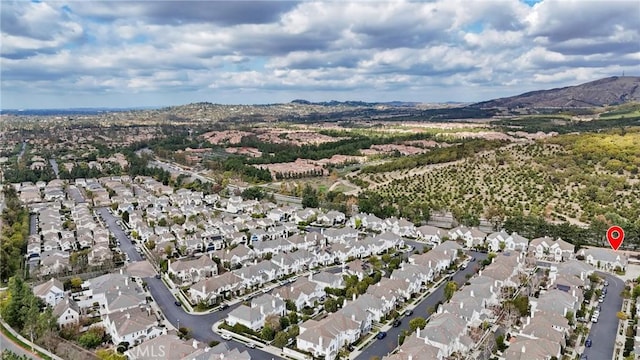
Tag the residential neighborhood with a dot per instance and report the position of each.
(302, 282)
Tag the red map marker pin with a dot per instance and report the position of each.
(615, 235)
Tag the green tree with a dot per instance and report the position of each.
(125, 216)
(281, 339)
(76, 283)
(417, 323)
(331, 305)
(267, 333)
(310, 197)
(293, 317)
(450, 289)
(151, 244)
(92, 338)
(284, 322)
(253, 193)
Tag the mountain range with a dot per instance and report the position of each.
(608, 91)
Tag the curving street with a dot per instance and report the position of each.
(8, 344)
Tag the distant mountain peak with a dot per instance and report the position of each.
(602, 92)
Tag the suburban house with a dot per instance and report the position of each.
(52, 291)
(532, 349)
(67, 312)
(430, 234)
(557, 302)
(253, 316)
(207, 290)
(302, 292)
(331, 218)
(604, 259)
(327, 279)
(187, 272)
(447, 332)
(545, 248)
(416, 349)
(325, 337)
(133, 326)
(166, 346)
(500, 240)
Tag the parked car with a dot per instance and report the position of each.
(157, 276)
(381, 335)
(226, 337)
(606, 283)
(178, 303)
(408, 313)
(397, 322)
(584, 357)
(251, 345)
(588, 343)
(224, 306)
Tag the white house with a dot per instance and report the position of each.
(605, 259)
(67, 312)
(133, 326)
(52, 291)
(254, 316)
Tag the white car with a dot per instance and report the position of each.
(226, 337)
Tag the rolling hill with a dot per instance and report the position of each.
(608, 91)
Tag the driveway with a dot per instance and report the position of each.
(383, 347)
(603, 333)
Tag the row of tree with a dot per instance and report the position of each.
(437, 156)
(13, 238)
(25, 312)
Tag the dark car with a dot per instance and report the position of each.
(178, 303)
(157, 276)
(224, 306)
(587, 343)
(397, 322)
(381, 335)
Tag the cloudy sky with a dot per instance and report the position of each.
(58, 54)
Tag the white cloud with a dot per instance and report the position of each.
(379, 49)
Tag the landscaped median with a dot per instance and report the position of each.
(253, 341)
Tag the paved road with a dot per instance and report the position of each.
(75, 194)
(383, 347)
(54, 166)
(603, 333)
(33, 224)
(8, 344)
(125, 243)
